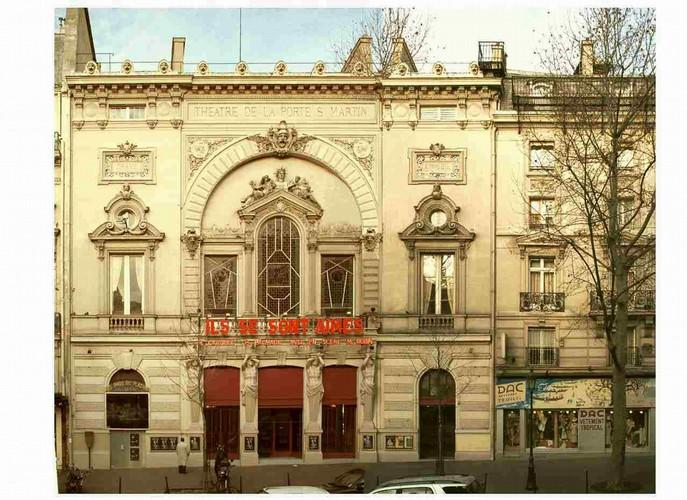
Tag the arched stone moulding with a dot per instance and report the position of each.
(243, 151)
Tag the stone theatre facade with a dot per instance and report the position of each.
(193, 197)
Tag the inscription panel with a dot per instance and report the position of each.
(262, 112)
(445, 166)
(136, 166)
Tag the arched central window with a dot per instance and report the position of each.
(279, 268)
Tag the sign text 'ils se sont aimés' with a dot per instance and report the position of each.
(284, 326)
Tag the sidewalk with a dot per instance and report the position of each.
(554, 475)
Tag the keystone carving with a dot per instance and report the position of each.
(192, 241)
(281, 140)
(371, 239)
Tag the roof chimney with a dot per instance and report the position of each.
(401, 54)
(362, 52)
(178, 44)
(586, 67)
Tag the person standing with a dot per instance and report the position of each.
(183, 451)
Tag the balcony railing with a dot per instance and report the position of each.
(546, 302)
(436, 322)
(542, 356)
(538, 221)
(634, 356)
(639, 300)
(126, 323)
(491, 57)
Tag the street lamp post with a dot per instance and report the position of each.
(531, 474)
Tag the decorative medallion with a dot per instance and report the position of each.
(200, 148)
(192, 241)
(359, 69)
(371, 239)
(438, 69)
(281, 140)
(401, 69)
(203, 68)
(474, 68)
(362, 148)
(241, 68)
(127, 66)
(91, 68)
(319, 68)
(164, 67)
(437, 164)
(280, 68)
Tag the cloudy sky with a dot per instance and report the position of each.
(306, 35)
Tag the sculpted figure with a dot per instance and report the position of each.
(249, 389)
(315, 388)
(367, 386)
(301, 188)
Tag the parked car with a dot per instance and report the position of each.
(352, 481)
(298, 490)
(431, 485)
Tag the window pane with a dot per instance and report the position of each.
(429, 113)
(279, 268)
(541, 157)
(136, 284)
(220, 284)
(429, 273)
(117, 113)
(336, 282)
(117, 283)
(447, 284)
(554, 428)
(137, 113)
(127, 411)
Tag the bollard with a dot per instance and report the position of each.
(240, 484)
(586, 481)
(484, 486)
(120, 484)
(377, 479)
(288, 479)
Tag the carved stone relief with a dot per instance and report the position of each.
(361, 148)
(297, 186)
(127, 163)
(280, 140)
(199, 149)
(340, 230)
(437, 164)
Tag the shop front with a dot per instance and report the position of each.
(280, 412)
(127, 409)
(222, 400)
(571, 415)
(339, 403)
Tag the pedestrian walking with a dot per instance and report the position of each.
(183, 451)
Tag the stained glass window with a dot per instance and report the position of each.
(220, 284)
(337, 285)
(279, 268)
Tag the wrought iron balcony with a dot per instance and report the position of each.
(634, 356)
(538, 221)
(542, 356)
(542, 302)
(126, 323)
(436, 322)
(492, 57)
(638, 301)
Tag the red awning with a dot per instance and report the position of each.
(280, 387)
(222, 386)
(340, 383)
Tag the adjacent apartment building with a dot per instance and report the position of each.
(355, 252)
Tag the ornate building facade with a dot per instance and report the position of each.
(220, 206)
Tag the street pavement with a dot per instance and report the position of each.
(505, 475)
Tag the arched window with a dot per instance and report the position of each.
(437, 414)
(279, 268)
(127, 401)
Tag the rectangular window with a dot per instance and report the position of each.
(127, 284)
(541, 156)
(625, 158)
(541, 350)
(220, 278)
(337, 285)
(438, 113)
(625, 212)
(542, 273)
(136, 112)
(541, 212)
(438, 284)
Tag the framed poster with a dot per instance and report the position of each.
(249, 443)
(195, 443)
(313, 443)
(160, 443)
(134, 455)
(408, 442)
(368, 442)
(133, 440)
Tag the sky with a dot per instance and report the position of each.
(307, 34)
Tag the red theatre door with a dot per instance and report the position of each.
(280, 411)
(338, 411)
(222, 409)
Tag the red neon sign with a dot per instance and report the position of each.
(284, 326)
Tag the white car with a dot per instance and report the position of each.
(430, 485)
(298, 490)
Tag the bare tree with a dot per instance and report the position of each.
(600, 125)
(441, 353)
(384, 26)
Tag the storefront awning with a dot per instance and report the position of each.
(222, 386)
(280, 387)
(340, 384)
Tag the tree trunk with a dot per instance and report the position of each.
(619, 382)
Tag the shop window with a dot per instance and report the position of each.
(438, 113)
(220, 278)
(636, 428)
(511, 429)
(127, 401)
(337, 285)
(541, 156)
(127, 112)
(438, 284)
(554, 428)
(279, 268)
(126, 284)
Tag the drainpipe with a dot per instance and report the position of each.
(492, 295)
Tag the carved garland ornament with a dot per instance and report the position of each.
(362, 149)
(200, 149)
(281, 140)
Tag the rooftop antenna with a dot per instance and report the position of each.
(240, 58)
